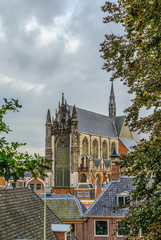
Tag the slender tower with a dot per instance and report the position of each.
(112, 103)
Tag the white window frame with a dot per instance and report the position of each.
(81, 193)
(85, 194)
(33, 186)
(117, 231)
(18, 184)
(101, 220)
(124, 195)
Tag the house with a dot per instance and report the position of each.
(22, 217)
(80, 142)
(37, 185)
(103, 219)
(70, 210)
(85, 191)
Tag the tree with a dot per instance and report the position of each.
(12, 162)
(135, 58)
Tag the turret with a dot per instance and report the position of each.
(112, 103)
(48, 150)
(74, 118)
(48, 118)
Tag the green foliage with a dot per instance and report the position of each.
(135, 59)
(12, 162)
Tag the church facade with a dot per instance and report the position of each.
(81, 143)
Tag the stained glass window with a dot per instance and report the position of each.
(85, 146)
(95, 149)
(113, 146)
(104, 150)
(63, 162)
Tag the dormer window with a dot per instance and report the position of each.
(123, 199)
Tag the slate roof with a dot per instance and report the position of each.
(129, 143)
(22, 215)
(107, 162)
(97, 161)
(103, 205)
(94, 123)
(65, 206)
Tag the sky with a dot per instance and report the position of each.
(48, 47)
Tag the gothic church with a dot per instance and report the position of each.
(81, 144)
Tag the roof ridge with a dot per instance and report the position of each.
(79, 206)
(90, 111)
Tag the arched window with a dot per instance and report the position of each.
(85, 146)
(95, 148)
(104, 150)
(63, 162)
(113, 146)
(83, 178)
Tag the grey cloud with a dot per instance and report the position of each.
(78, 74)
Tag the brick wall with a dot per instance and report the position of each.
(60, 235)
(90, 234)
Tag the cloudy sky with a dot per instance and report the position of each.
(48, 47)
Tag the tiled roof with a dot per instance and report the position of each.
(94, 123)
(65, 206)
(105, 202)
(22, 215)
(129, 143)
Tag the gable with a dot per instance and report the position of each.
(122, 129)
(125, 132)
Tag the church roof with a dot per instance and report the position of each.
(107, 162)
(94, 123)
(128, 143)
(119, 121)
(97, 161)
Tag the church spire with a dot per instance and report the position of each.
(48, 118)
(112, 103)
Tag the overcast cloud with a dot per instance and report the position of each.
(48, 47)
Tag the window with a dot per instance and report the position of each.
(80, 194)
(86, 193)
(93, 192)
(104, 150)
(122, 231)
(85, 146)
(113, 146)
(123, 200)
(83, 178)
(101, 228)
(20, 185)
(95, 149)
(63, 162)
(14, 185)
(32, 187)
(38, 186)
